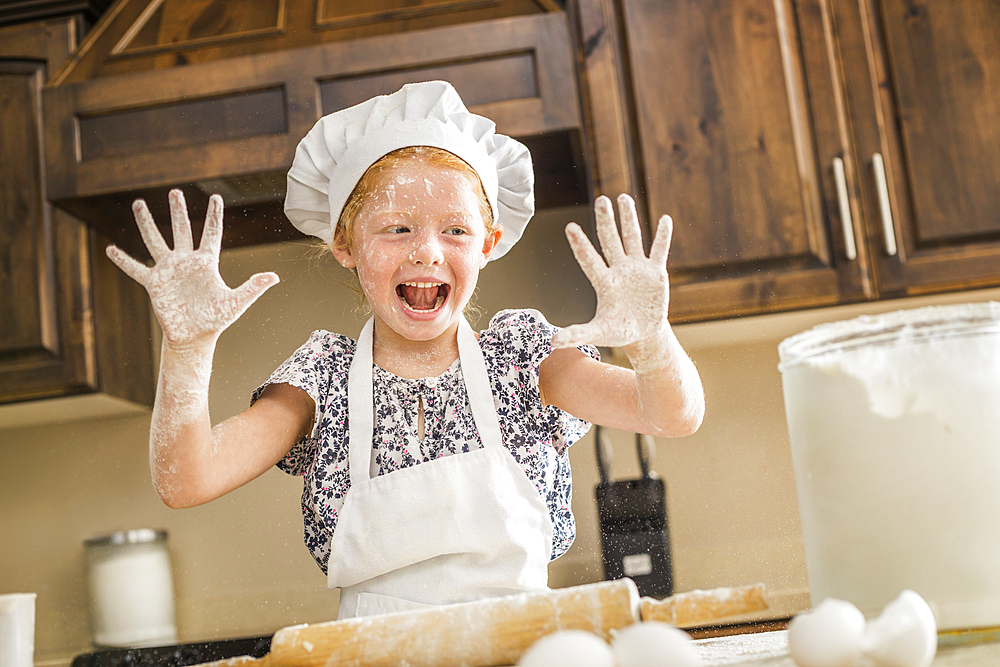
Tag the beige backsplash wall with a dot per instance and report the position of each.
(240, 565)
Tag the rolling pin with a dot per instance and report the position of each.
(492, 632)
(481, 633)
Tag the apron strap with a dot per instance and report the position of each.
(361, 407)
(361, 403)
(477, 385)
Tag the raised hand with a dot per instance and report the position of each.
(633, 291)
(189, 297)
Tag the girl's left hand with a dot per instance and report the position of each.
(633, 291)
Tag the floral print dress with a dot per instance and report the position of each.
(537, 436)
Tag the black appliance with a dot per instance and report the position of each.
(632, 513)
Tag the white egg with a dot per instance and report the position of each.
(904, 634)
(828, 636)
(654, 644)
(568, 648)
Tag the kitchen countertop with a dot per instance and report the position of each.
(770, 649)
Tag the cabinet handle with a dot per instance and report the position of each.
(888, 228)
(850, 248)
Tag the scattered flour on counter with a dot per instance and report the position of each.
(763, 648)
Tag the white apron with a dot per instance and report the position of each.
(459, 528)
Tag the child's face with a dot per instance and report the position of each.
(419, 243)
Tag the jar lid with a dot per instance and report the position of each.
(136, 536)
(915, 325)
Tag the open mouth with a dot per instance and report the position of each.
(423, 296)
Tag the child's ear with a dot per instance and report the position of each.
(490, 244)
(342, 250)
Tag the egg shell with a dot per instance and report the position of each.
(904, 634)
(831, 635)
(568, 648)
(654, 644)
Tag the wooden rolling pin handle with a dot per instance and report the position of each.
(482, 633)
(693, 608)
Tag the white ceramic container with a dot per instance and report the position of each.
(17, 630)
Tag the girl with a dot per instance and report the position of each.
(434, 458)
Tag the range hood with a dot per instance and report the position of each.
(212, 96)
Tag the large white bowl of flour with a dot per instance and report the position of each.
(894, 423)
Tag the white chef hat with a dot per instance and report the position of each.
(341, 147)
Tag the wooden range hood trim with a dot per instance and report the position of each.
(299, 73)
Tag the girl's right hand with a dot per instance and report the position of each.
(189, 297)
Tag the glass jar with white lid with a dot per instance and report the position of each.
(131, 589)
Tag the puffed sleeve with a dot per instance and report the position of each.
(527, 341)
(318, 368)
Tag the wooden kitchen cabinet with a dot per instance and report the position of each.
(208, 97)
(754, 124)
(923, 80)
(69, 322)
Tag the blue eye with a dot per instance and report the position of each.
(456, 231)
(398, 229)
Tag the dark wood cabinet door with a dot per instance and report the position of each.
(737, 115)
(927, 101)
(68, 325)
(27, 325)
(36, 340)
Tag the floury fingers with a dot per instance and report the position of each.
(633, 290)
(189, 297)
